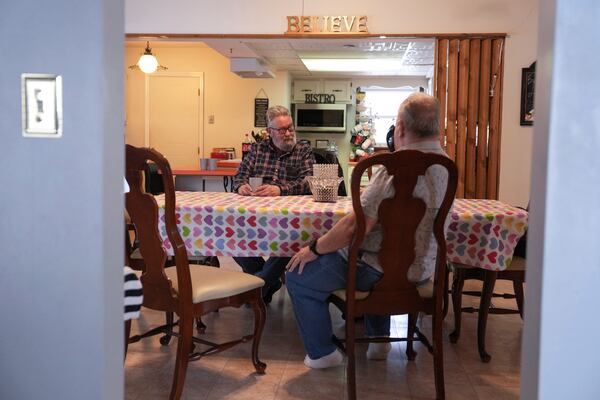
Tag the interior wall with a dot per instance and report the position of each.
(560, 358)
(61, 213)
(227, 96)
(517, 18)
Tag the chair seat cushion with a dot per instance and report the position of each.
(425, 291)
(210, 283)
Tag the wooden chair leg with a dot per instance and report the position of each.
(518, 288)
(260, 315)
(350, 362)
(200, 326)
(489, 280)
(127, 332)
(184, 347)
(438, 358)
(458, 282)
(446, 297)
(166, 339)
(410, 334)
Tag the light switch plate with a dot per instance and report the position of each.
(211, 119)
(41, 105)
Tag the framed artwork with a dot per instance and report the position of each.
(321, 143)
(41, 105)
(527, 95)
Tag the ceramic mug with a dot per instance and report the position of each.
(255, 182)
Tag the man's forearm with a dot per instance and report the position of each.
(339, 236)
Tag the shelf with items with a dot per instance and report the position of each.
(362, 141)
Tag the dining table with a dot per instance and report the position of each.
(228, 224)
(480, 233)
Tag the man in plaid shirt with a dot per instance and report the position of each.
(283, 164)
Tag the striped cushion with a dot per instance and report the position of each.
(133, 294)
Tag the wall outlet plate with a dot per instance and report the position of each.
(41, 105)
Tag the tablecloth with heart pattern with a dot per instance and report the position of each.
(484, 233)
(481, 233)
(227, 224)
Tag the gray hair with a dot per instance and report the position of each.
(421, 115)
(277, 111)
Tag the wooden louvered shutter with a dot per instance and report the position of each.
(469, 76)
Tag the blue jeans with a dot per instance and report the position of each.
(270, 271)
(309, 292)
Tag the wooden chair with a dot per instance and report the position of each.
(187, 292)
(394, 294)
(515, 273)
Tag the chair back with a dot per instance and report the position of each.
(399, 217)
(143, 210)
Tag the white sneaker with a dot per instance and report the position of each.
(331, 360)
(378, 351)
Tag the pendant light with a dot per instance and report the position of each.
(148, 62)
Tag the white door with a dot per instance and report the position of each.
(174, 117)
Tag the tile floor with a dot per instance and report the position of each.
(230, 374)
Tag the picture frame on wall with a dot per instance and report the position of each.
(527, 115)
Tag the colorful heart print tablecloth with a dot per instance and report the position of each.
(227, 224)
(481, 233)
(484, 233)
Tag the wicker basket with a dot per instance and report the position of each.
(324, 189)
(325, 170)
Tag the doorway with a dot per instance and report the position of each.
(174, 115)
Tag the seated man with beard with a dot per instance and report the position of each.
(282, 163)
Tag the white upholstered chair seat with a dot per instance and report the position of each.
(210, 283)
(425, 291)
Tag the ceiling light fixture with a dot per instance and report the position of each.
(148, 62)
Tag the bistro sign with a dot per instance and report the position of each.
(346, 24)
(321, 98)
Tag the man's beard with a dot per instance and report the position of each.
(285, 145)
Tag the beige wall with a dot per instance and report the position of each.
(226, 96)
(517, 18)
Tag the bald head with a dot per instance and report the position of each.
(420, 114)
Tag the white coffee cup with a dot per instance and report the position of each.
(255, 182)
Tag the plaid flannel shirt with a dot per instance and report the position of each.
(285, 170)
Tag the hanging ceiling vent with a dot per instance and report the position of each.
(250, 68)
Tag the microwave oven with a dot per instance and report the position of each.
(320, 117)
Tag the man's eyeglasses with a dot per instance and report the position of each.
(282, 131)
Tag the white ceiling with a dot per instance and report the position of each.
(285, 54)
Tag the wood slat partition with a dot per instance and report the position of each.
(484, 117)
(469, 76)
(495, 106)
(452, 94)
(461, 122)
(441, 57)
(472, 109)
